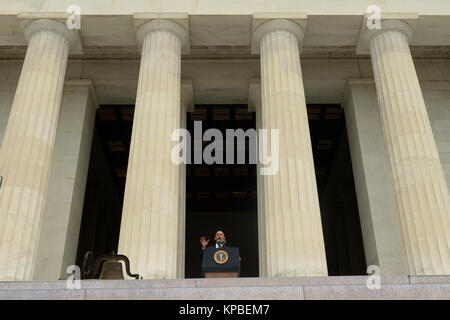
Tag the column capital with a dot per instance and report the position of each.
(34, 22)
(404, 22)
(254, 95)
(265, 22)
(187, 94)
(177, 23)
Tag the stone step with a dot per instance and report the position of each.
(309, 288)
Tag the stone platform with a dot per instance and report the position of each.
(307, 288)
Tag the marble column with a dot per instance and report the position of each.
(27, 148)
(419, 182)
(293, 235)
(148, 233)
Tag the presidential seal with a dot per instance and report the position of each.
(221, 257)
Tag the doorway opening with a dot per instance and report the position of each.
(222, 196)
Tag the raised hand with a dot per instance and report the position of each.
(204, 242)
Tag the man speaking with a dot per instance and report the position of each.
(219, 238)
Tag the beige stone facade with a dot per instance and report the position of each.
(164, 57)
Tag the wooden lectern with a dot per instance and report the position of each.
(221, 262)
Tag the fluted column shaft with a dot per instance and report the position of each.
(294, 239)
(27, 148)
(148, 234)
(419, 183)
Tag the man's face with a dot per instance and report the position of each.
(220, 236)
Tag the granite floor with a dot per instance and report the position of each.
(304, 288)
